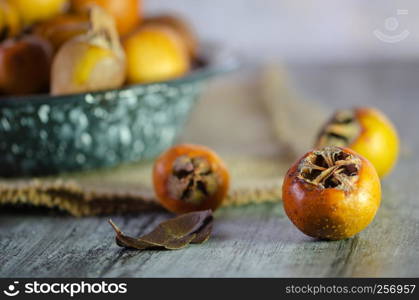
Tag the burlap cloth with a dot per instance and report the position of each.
(255, 121)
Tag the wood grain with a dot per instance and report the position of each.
(254, 240)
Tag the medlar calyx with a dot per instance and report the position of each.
(192, 179)
(330, 168)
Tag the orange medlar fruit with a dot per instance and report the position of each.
(365, 130)
(331, 193)
(155, 53)
(127, 13)
(190, 178)
(25, 64)
(62, 28)
(184, 30)
(90, 62)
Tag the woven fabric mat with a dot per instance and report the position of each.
(255, 121)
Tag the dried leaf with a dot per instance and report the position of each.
(176, 233)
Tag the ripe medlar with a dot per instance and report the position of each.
(155, 53)
(368, 132)
(90, 62)
(331, 193)
(190, 178)
(62, 28)
(25, 64)
(181, 27)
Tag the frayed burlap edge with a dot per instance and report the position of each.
(77, 201)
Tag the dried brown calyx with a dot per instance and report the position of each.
(341, 130)
(192, 179)
(330, 167)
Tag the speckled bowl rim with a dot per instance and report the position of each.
(226, 62)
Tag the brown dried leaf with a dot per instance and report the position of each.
(176, 233)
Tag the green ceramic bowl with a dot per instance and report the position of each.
(43, 134)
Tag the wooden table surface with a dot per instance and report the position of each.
(251, 241)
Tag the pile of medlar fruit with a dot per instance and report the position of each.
(75, 46)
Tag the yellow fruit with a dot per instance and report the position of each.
(87, 62)
(32, 11)
(90, 62)
(184, 30)
(368, 132)
(155, 53)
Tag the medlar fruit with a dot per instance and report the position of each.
(368, 132)
(62, 28)
(90, 62)
(127, 13)
(25, 64)
(190, 178)
(181, 27)
(155, 53)
(331, 193)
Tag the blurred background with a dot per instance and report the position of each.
(305, 31)
(335, 53)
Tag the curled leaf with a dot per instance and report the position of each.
(176, 233)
